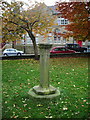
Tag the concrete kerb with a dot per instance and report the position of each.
(51, 56)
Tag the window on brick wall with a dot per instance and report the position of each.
(57, 36)
(63, 21)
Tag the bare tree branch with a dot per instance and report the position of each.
(18, 25)
(34, 22)
(23, 20)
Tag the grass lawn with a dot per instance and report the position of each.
(70, 75)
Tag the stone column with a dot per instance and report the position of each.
(44, 65)
(44, 90)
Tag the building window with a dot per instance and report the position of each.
(64, 40)
(62, 21)
(66, 21)
(57, 36)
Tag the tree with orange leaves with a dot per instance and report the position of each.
(78, 14)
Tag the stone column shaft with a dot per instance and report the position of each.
(44, 67)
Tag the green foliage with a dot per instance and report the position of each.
(70, 75)
(10, 31)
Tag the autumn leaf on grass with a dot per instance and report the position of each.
(16, 93)
(48, 116)
(65, 108)
(28, 80)
(84, 100)
(15, 116)
(72, 69)
(41, 112)
(25, 105)
(67, 73)
(58, 82)
(28, 83)
(74, 86)
(27, 73)
(32, 70)
(39, 105)
(14, 105)
(77, 112)
(82, 105)
(26, 117)
(24, 110)
(23, 101)
(5, 102)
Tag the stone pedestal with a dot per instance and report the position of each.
(44, 90)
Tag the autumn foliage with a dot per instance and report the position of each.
(78, 15)
(18, 21)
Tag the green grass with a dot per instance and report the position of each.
(70, 75)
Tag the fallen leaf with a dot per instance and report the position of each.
(39, 105)
(65, 108)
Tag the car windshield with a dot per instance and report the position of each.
(62, 49)
(11, 50)
(76, 46)
(56, 49)
(73, 45)
(59, 49)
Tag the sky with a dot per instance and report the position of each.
(47, 2)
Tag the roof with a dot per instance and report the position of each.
(53, 9)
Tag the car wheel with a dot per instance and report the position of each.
(85, 50)
(5, 54)
(19, 54)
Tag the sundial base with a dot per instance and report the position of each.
(38, 92)
(44, 91)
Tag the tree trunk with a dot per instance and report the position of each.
(24, 44)
(35, 49)
(34, 44)
(13, 44)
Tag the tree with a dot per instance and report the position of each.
(10, 32)
(78, 15)
(33, 20)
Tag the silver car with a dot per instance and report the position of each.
(12, 52)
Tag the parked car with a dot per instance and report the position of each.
(76, 47)
(11, 51)
(59, 49)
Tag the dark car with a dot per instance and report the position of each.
(76, 47)
(59, 49)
